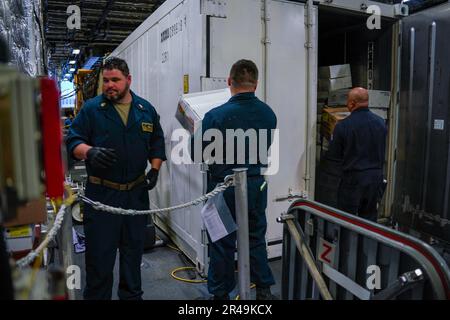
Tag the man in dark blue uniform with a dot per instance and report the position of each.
(243, 111)
(359, 142)
(116, 133)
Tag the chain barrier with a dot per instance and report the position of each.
(31, 256)
(103, 207)
(25, 261)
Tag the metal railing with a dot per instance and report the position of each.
(356, 258)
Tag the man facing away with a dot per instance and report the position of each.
(116, 133)
(359, 142)
(243, 111)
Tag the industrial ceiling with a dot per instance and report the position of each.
(104, 25)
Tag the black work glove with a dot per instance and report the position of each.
(152, 178)
(101, 158)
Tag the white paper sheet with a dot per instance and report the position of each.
(213, 223)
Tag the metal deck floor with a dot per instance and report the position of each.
(157, 282)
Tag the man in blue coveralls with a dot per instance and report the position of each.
(243, 111)
(359, 142)
(116, 133)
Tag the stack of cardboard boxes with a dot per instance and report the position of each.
(334, 83)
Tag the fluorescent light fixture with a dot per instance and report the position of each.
(67, 75)
(76, 51)
(72, 62)
(72, 69)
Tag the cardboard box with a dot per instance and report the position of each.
(330, 117)
(334, 84)
(336, 71)
(379, 99)
(33, 212)
(19, 238)
(193, 107)
(338, 97)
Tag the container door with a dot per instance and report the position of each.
(422, 190)
(225, 41)
(277, 45)
(287, 92)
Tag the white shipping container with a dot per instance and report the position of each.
(190, 46)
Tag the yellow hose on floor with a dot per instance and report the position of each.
(182, 279)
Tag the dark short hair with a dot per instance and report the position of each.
(116, 63)
(244, 73)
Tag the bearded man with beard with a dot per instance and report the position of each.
(116, 133)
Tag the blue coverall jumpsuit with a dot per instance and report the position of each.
(243, 111)
(98, 124)
(359, 141)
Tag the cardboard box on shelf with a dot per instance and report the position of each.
(330, 117)
(32, 212)
(338, 97)
(336, 71)
(379, 99)
(334, 84)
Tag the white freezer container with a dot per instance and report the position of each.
(189, 46)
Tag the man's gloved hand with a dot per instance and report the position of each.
(102, 158)
(152, 178)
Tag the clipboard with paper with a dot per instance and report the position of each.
(217, 218)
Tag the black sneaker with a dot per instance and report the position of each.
(265, 294)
